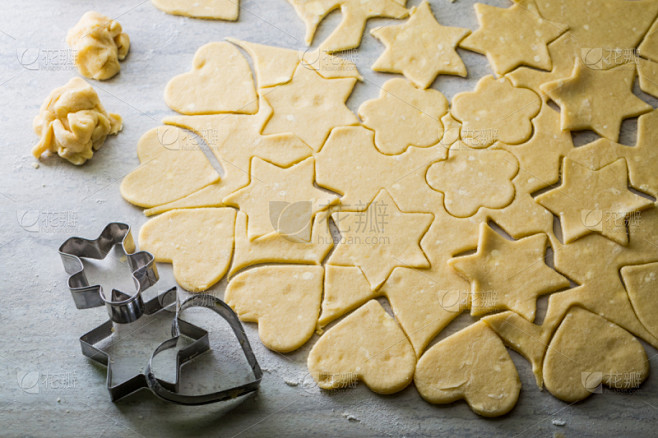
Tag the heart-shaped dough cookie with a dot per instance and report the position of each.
(586, 351)
(172, 167)
(367, 345)
(221, 81)
(199, 243)
(283, 300)
(473, 365)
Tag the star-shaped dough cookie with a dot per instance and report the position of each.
(281, 200)
(421, 48)
(507, 274)
(380, 238)
(596, 99)
(511, 37)
(355, 13)
(309, 106)
(593, 201)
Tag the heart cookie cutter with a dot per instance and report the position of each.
(125, 309)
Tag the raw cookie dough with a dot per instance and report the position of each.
(198, 242)
(472, 365)
(508, 274)
(421, 48)
(270, 295)
(649, 46)
(367, 345)
(640, 282)
(172, 165)
(473, 178)
(404, 116)
(274, 248)
(495, 111)
(596, 99)
(73, 123)
(355, 13)
(309, 106)
(220, 82)
(100, 44)
(292, 200)
(345, 289)
(227, 10)
(380, 238)
(588, 350)
(593, 201)
(511, 37)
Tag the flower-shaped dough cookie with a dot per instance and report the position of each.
(404, 116)
(421, 48)
(496, 110)
(471, 178)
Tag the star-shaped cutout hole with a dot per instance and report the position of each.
(596, 99)
(309, 106)
(421, 48)
(281, 200)
(511, 37)
(594, 201)
(508, 274)
(380, 238)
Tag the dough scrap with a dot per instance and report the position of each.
(495, 111)
(270, 295)
(380, 238)
(228, 10)
(198, 242)
(588, 350)
(648, 48)
(511, 37)
(292, 200)
(73, 123)
(355, 13)
(367, 345)
(472, 365)
(640, 281)
(641, 158)
(345, 289)
(351, 151)
(276, 65)
(508, 274)
(234, 139)
(172, 166)
(309, 106)
(594, 201)
(596, 99)
(99, 43)
(421, 48)
(541, 156)
(274, 248)
(647, 71)
(473, 178)
(404, 116)
(220, 82)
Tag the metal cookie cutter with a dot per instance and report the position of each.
(125, 309)
(121, 307)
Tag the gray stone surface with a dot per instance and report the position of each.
(47, 388)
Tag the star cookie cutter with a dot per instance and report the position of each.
(121, 307)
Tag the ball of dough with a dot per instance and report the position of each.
(100, 45)
(73, 123)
